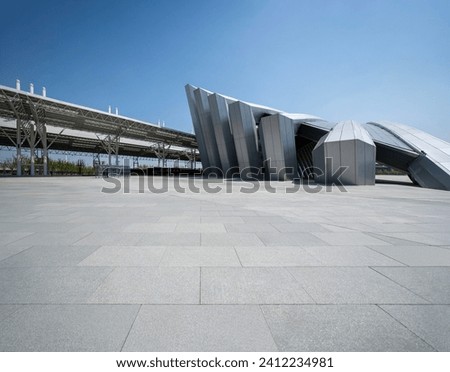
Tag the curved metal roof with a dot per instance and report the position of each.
(386, 136)
(434, 148)
(348, 130)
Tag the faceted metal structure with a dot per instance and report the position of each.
(197, 126)
(230, 134)
(278, 143)
(245, 138)
(263, 140)
(204, 115)
(277, 133)
(346, 155)
(222, 130)
(424, 157)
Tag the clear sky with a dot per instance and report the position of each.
(362, 60)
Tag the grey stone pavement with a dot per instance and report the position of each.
(362, 270)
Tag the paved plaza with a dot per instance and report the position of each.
(310, 270)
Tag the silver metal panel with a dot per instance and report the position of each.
(348, 130)
(238, 136)
(365, 170)
(271, 144)
(335, 133)
(204, 113)
(428, 173)
(380, 134)
(290, 151)
(360, 152)
(349, 159)
(197, 127)
(349, 146)
(370, 161)
(278, 139)
(245, 136)
(431, 168)
(332, 151)
(319, 161)
(320, 123)
(222, 130)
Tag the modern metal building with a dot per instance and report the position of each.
(253, 141)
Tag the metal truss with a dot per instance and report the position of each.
(161, 151)
(63, 114)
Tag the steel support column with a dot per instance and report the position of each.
(44, 150)
(135, 162)
(41, 131)
(111, 145)
(161, 151)
(19, 148)
(190, 154)
(117, 150)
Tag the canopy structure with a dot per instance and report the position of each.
(42, 122)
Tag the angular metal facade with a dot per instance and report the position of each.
(264, 141)
(346, 155)
(228, 131)
(204, 115)
(222, 130)
(197, 127)
(245, 137)
(431, 165)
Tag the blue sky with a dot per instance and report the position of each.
(362, 60)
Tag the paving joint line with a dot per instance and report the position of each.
(399, 322)
(131, 327)
(400, 285)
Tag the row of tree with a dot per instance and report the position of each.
(55, 167)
